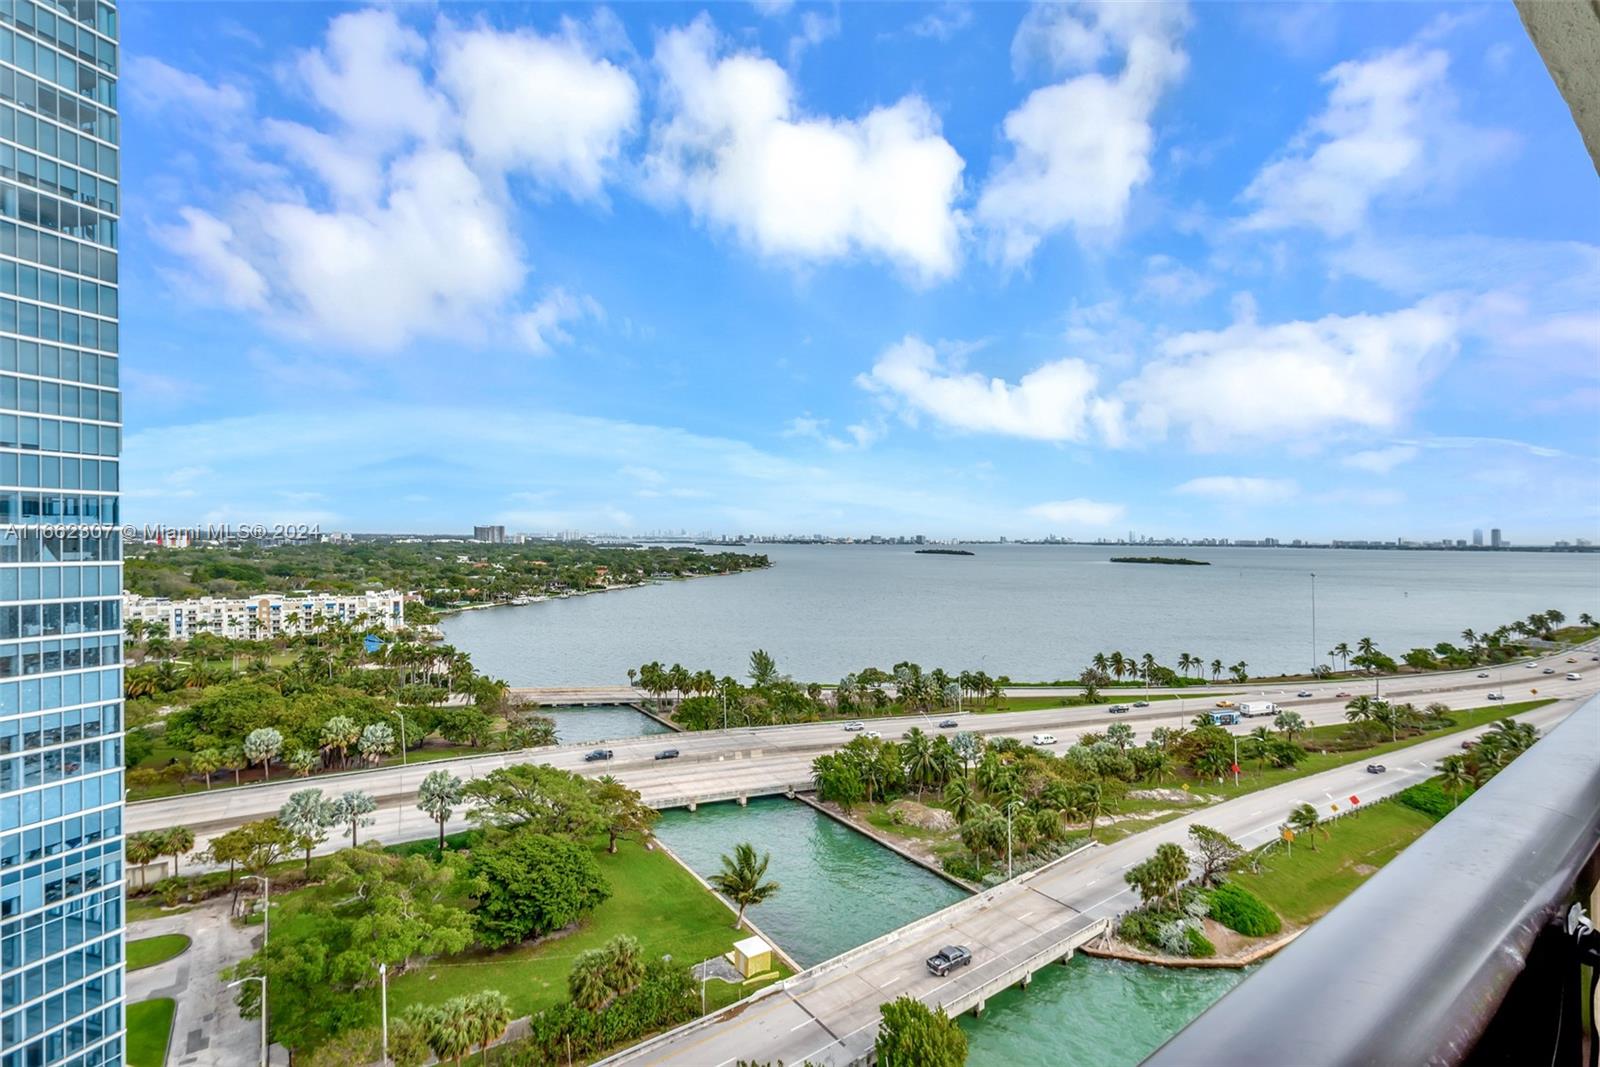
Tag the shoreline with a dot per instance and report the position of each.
(872, 832)
(1114, 949)
(458, 609)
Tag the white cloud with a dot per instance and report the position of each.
(1081, 146)
(1225, 388)
(367, 75)
(1054, 402)
(543, 104)
(545, 326)
(1293, 380)
(1240, 490)
(206, 242)
(1079, 511)
(856, 436)
(733, 145)
(944, 22)
(155, 86)
(1167, 279)
(1389, 129)
(1381, 460)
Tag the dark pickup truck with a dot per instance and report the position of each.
(948, 959)
(597, 754)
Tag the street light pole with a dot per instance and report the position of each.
(383, 980)
(263, 980)
(1010, 810)
(402, 715)
(1313, 625)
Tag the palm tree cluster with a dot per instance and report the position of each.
(147, 846)
(455, 1029)
(1487, 756)
(601, 975)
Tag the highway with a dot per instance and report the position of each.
(829, 1014)
(723, 764)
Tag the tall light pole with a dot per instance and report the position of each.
(266, 906)
(383, 981)
(402, 715)
(1314, 656)
(1010, 808)
(263, 980)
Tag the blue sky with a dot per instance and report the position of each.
(1216, 270)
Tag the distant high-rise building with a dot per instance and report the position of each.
(61, 783)
(494, 535)
(1477, 538)
(1494, 538)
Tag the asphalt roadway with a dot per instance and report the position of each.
(722, 764)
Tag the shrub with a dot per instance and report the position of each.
(1243, 912)
(1198, 944)
(1141, 928)
(1427, 797)
(962, 866)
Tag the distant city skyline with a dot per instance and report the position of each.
(783, 267)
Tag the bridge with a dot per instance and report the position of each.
(829, 1013)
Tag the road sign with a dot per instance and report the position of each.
(1355, 800)
(1235, 769)
(1288, 834)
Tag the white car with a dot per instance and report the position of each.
(1531, 666)
(1304, 693)
(872, 735)
(1044, 739)
(1574, 676)
(1497, 696)
(855, 725)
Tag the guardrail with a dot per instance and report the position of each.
(1445, 954)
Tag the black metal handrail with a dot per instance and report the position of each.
(1412, 967)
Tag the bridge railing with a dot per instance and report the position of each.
(1417, 965)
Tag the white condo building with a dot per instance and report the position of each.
(268, 615)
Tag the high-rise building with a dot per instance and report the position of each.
(1494, 538)
(1477, 538)
(494, 535)
(61, 788)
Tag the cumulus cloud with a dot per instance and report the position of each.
(154, 85)
(1240, 490)
(396, 224)
(1389, 129)
(1221, 389)
(1054, 402)
(734, 146)
(1081, 146)
(1079, 511)
(1380, 460)
(546, 105)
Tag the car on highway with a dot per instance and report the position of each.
(948, 959)
(1530, 666)
(1341, 695)
(1226, 704)
(1141, 703)
(597, 754)
(1548, 670)
(1483, 674)
(948, 724)
(1376, 768)
(1497, 696)
(1119, 709)
(1574, 676)
(1304, 693)
(871, 735)
(1572, 659)
(854, 726)
(667, 753)
(1044, 739)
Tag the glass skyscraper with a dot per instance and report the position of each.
(61, 980)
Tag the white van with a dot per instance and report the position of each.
(1250, 709)
(1044, 739)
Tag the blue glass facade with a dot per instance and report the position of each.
(61, 790)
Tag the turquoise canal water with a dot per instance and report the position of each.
(839, 889)
(1092, 1013)
(604, 723)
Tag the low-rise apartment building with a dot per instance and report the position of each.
(267, 615)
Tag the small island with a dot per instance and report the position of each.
(943, 552)
(1173, 561)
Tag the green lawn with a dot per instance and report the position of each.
(653, 899)
(149, 1027)
(1304, 885)
(149, 951)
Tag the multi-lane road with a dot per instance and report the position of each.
(829, 1014)
(721, 764)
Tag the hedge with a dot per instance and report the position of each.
(1243, 912)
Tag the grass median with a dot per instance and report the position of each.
(148, 951)
(149, 1030)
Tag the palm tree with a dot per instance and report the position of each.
(916, 753)
(741, 878)
(1304, 820)
(1241, 672)
(1216, 669)
(1090, 802)
(1119, 665)
(1454, 774)
(960, 798)
(1341, 651)
(489, 1013)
